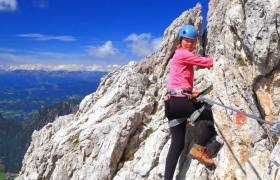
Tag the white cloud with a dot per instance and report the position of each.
(156, 43)
(31, 57)
(42, 37)
(105, 50)
(17, 57)
(8, 5)
(142, 44)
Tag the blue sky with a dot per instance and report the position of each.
(84, 32)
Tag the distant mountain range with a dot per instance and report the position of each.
(59, 67)
(22, 91)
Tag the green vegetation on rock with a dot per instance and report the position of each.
(130, 151)
(148, 132)
(241, 61)
(146, 118)
(74, 139)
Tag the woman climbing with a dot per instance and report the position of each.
(178, 105)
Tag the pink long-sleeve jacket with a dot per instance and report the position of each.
(181, 72)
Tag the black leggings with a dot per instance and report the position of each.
(201, 133)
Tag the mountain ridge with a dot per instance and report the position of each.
(120, 131)
(59, 67)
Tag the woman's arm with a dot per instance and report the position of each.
(187, 57)
(199, 61)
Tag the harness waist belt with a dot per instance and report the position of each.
(175, 122)
(179, 91)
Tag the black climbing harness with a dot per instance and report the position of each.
(194, 116)
(208, 102)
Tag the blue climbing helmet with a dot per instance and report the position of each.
(188, 31)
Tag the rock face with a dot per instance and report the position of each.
(120, 131)
(246, 47)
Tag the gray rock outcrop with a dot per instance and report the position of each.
(120, 131)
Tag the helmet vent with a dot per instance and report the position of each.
(188, 31)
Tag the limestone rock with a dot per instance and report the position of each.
(245, 45)
(120, 131)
